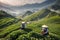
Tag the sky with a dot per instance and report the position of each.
(17, 3)
(20, 2)
(15, 6)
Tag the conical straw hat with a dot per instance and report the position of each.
(23, 22)
(45, 26)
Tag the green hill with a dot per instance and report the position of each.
(27, 13)
(6, 20)
(38, 15)
(33, 30)
(12, 29)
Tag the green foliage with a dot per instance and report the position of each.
(54, 36)
(35, 36)
(23, 37)
(55, 19)
(15, 34)
(5, 21)
(9, 29)
(51, 14)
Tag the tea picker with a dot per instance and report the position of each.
(23, 25)
(45, 31)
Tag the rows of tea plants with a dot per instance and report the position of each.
(15, 34)
(9, 29)
(5, 20)
(32, 30)
(35, 36)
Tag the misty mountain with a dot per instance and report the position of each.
(56, 6)
(5, 14)
(24, 8)
(36, 5)
(28, 6)
(27, 13)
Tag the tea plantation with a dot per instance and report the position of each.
(10, 28)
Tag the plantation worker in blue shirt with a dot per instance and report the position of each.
(45, 30)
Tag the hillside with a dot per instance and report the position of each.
(38, 15)
(33, 30)
(5, 14)
(27, 13)
(52, 22)
(6, 20)
(57, 5)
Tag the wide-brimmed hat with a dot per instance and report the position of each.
(45, 26)
(23, 22)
